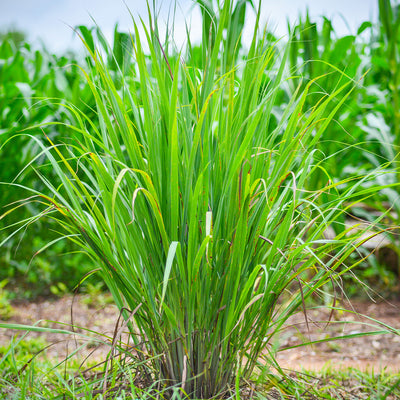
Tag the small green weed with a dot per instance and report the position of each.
(96, 295)
(5, 305)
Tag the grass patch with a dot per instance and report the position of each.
(25, 376)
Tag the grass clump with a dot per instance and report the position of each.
(192, 195)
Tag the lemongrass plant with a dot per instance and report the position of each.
(189, 194)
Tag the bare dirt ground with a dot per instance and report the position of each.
(375, 352)
(367, 352)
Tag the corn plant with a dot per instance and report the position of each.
(386, 59)
(382, 122)
(233, 27)
(389, 18)
(191, 197)
(315, 52)
(28, 79)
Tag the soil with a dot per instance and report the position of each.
(375, 352)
